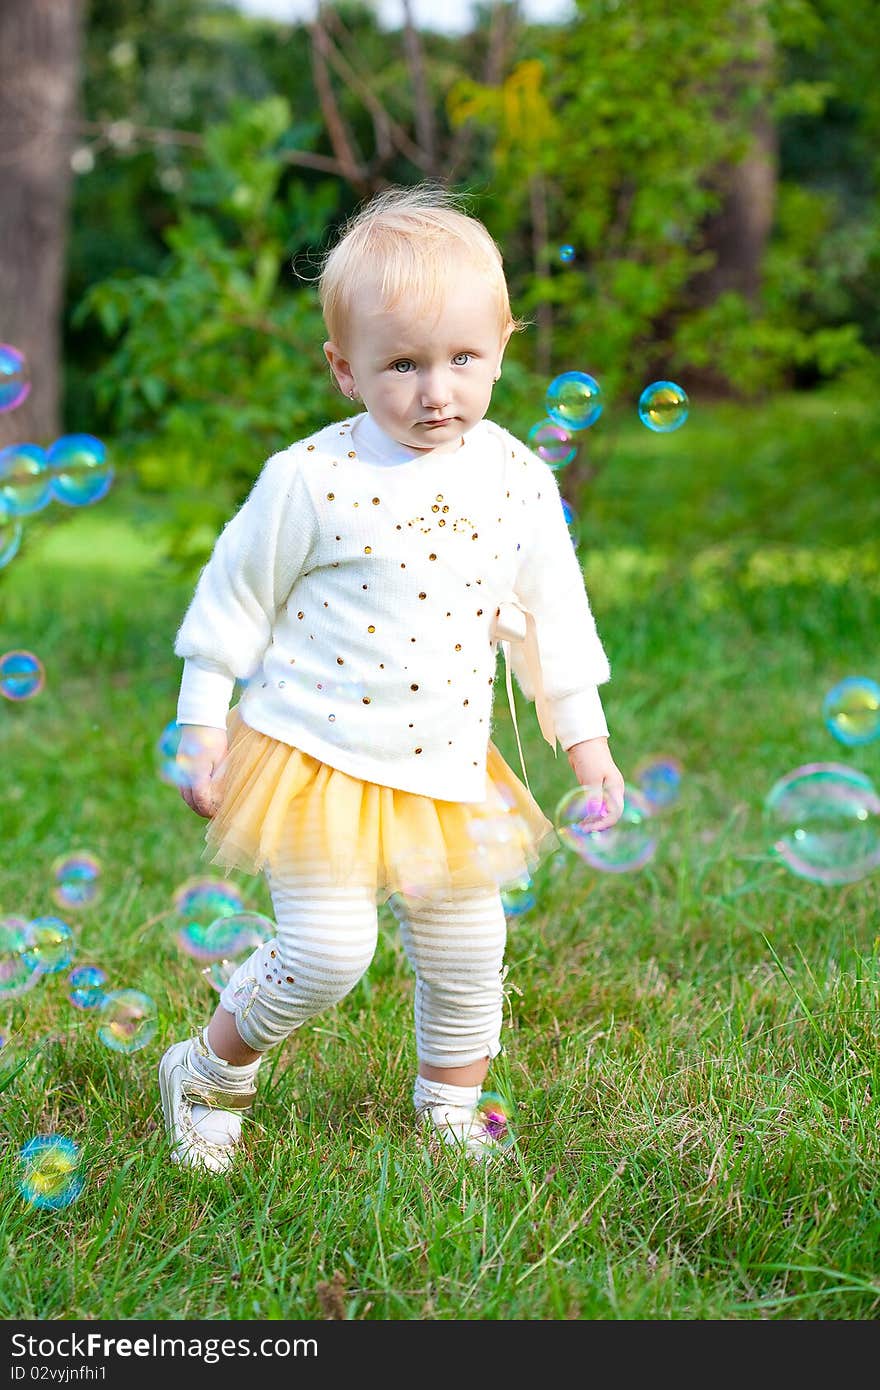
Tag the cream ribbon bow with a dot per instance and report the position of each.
(514, 623)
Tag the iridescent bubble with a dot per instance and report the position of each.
(823, 822)
(76, 878)
(179, 760)
(200, 901)
(22, 675)
(659, 780)
(493, 1110)
(579, 812)
(852, 710)
(167, 745)
(663, 407)
(10, 536)
(574, 400)
(15, 385)
(128, 1020)
(50, 944)
(552, 443)
(620, 848)
(25, 480)
(227, 936)
(85, 986)
(51, 1171)
(18, 971)
(81, 473)
(220, 971)
(566, 253)
(518, 898)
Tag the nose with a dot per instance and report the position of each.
(435, 390)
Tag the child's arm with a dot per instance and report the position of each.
(573, 662)
(228, 624)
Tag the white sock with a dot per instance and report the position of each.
(220, 1126)
(428, 1094)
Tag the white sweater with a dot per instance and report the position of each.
(355, 590)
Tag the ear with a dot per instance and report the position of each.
(341, 369)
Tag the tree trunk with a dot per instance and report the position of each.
(738, 233)
(39, 65)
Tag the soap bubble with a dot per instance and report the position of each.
(823, 822)
(620, 848)
(201, 900)
(566, 253)
(80, 471)
(658, 778)
(15, 385)
(493, 1110)
(226, 936)
(552, 443)
(518, 898)
(19, 972)
(49, 944)
(167, 746)
(51, 1171)
(128, 1020)
(25, 481)
(663, 407)
(574, 400)
(22, 675)
(257, 933)
(852, 710)
(10, 536)
(180, 754)
(579, 813)
(85, 986)
(76, 878)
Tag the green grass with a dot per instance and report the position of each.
(691, 1048)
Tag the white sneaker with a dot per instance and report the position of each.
(181, 1087)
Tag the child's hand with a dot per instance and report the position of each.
(594, 767)
(200, 754)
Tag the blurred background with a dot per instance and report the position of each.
(685, 193)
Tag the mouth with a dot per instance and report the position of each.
(436, 424)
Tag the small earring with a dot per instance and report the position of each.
(352, 395)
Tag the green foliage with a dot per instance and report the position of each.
(638, 112)
(218, 360)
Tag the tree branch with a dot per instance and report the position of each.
(390, 129)
(424, 110)
(340, 137)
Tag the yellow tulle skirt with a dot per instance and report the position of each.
(282, 810)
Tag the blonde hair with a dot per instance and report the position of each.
(410, 242)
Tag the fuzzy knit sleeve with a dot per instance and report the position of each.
(255, 561)
(550, 583)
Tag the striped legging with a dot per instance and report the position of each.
(326, 938)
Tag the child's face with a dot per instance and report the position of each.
(426, 378)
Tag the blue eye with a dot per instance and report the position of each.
(402, 367)
(461, 359)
